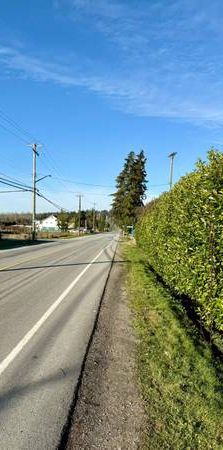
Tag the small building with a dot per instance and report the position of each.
(48, 224)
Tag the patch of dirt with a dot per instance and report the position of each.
(109, 412)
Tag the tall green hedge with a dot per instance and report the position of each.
(182, 235)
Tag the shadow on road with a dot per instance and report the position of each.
(53, 266)
(21, 390)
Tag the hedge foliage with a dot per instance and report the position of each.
(182, 235)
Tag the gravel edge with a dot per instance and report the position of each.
(109, 411)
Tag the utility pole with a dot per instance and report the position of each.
(35, 153)
(171, 156)
(79, 208)
(94, 216)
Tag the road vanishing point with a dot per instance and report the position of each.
(49, 298)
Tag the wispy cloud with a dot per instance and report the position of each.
(136, 96)
(103, 8)
(163, 58)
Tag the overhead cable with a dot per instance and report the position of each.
(51, 202)
(4, 116)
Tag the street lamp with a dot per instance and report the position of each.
(42, 178)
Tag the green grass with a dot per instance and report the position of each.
(181, 383)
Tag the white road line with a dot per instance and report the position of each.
(18, 348)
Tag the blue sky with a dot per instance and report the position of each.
(94, 80)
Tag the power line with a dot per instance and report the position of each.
(102, 185)
(47, 153)
(91, 193)
(51, 166)
(61, 179)
(15, 186)
(86, 184)
(21, 189)
(15, 183)
(11, 163)
(15, 124)
(18, 190)
(15, 134)
(16, 129)
(13, 180)
(51, 202)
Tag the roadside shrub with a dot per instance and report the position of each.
(182, 236)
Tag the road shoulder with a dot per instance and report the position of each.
(109, 412)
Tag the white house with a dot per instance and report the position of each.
(49, 224)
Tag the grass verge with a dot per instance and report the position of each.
(181, 383)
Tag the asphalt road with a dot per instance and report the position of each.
(49, 297)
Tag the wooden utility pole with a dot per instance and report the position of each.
(94, 216)
(35, 153)
(79, 209)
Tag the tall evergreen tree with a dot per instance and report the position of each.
(130, 193)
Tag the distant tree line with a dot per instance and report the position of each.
(101, 220)
(15, 219)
